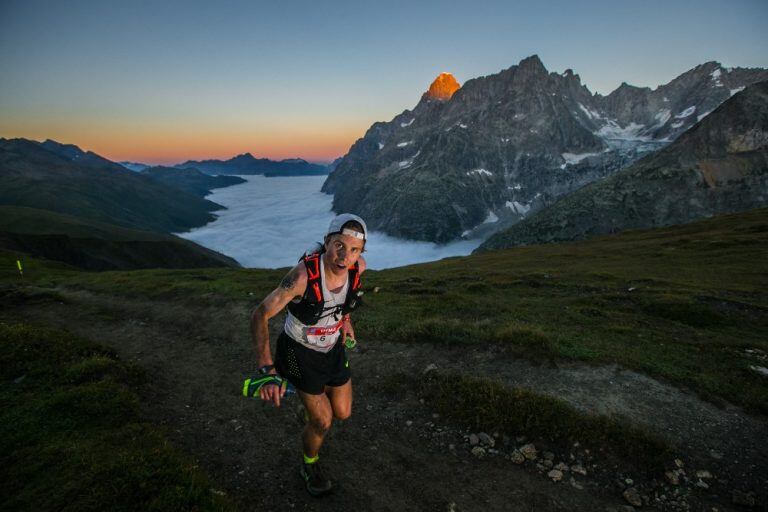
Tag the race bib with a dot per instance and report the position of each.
(323, 337)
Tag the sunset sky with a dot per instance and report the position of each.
(163, 82)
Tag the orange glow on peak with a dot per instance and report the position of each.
(443, 87)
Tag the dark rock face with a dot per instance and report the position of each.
(506, 145)
(718, 166)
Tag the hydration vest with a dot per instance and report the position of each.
(310, 308)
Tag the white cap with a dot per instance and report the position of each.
(342, 219)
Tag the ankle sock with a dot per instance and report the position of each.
(310, 460)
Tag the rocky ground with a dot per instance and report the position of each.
(396, 452)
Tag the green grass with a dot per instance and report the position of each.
(71, 438)
(681, 304)
(485, 405)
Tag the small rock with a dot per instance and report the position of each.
(703, 473)
(435, 416)
(672, 477)
(715, 454)
(478, 451)
(486, 439)
(576, 485)
(376, 289)
(548, 456)
(451, 446)
(474, 440)
(633, 497)
(517, 457)
(702, 484)
(578, 469)
(520, 439)
(218, 492)
(679, 463)
(631, 289)
(540, 467)
(556, 475)
(561, 466)
(431, 367)
(408, 423)
(529, 451)
(547, 463)
(629, 481)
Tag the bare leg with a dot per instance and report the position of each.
(341, 400)
(320, 414)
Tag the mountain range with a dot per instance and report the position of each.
(248, 164)
(718, 166)
(474, 159)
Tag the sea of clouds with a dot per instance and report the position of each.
(270, 222)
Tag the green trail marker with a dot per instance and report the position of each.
(21, 271)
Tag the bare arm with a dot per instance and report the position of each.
(292, 285)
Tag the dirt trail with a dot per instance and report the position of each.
(196, 358)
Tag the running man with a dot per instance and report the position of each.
(320, 292)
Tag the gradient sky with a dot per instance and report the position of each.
(162, 82)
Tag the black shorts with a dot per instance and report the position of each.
(309, 370)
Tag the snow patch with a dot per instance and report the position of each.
(665, 99)
(685, 113)
(504, 140)
(381, 145)
(573, 158)
(590, 113)
(479, 172)
(759, 369)
(716, 77)
(702, 116)
(491, 218)
(517, 117)
(612, 130)
(516, 187)
(662, 116)
(465, 233)
(462, 125)
(404, 164)
(403, 144)
(404, 125)
(678, 124)
(738, 89)
(518, 208)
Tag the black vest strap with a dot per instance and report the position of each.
(310, 308)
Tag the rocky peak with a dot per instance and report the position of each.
(443, 87)
(532, 65)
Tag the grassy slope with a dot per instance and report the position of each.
(95, 245)
(680, 303)
(71, 438)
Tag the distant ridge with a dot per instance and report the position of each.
(190, 179)
(248, 164)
